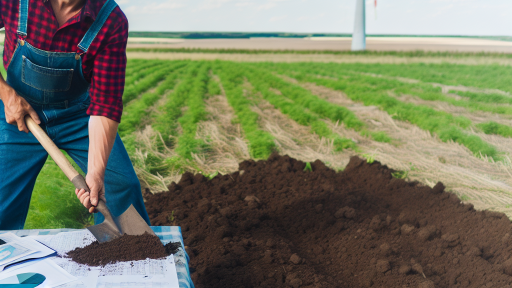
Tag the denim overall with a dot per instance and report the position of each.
(54, 85)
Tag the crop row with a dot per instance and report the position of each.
(188, 144)
(153, 76)
(375, 91)
(310, 102)
(472, 102)
(232, 77)
(136, 110)
(292, 101)
(481, 76)
(166, 120)
(137, 65)
(140, 70)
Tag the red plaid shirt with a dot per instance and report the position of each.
(103, 65)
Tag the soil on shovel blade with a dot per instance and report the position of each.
(125, 248)
(272, 224)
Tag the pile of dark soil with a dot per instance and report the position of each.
(125, 248)
(272, 224)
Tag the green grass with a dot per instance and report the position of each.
(136, 65)
(141, 70)
(491, 98)
(54, 204)
(473, 102)
(291, 106)
(187, 141)
(135, 111)
(322, 108)
(156, 75)
(482, 76)
(166, 121)
(370, 91)
(214, 88)
(492, 127)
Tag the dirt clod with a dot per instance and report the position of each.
(406, 229)
(404, 269)
(507, 267)
(426, 233)
(326, 217)
(125, 248)
(427, 284)
(295, 259)
(383, 266)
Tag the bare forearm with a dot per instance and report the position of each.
(4, 87)
(102, 135)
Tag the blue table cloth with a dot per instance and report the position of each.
(165, 233)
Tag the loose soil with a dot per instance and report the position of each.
(125, 248)
(272, 224)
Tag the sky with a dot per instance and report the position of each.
(412, 17)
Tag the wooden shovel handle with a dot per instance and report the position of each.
(53, 150)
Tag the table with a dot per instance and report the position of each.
(165, 233)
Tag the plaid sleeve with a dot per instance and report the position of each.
(108, 74)
(2, 11)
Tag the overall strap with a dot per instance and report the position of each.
(23, 18)
(102, 17)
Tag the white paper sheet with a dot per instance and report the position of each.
(38, 249)
(9, 237)
(67, 241)
(87, 276)
(55, 275)
(12, 252)
(43, 251)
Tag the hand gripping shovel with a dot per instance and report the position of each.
(130, 222)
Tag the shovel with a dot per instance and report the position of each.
(130, 222)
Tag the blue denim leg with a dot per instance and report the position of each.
(21, 160)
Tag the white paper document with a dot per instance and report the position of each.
(67, 241)
(10, 252)
(87, 277)
(13, 250)
(159, 273)
(145, 273)
(33, 249)
(55, 275)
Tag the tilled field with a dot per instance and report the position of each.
(275, 223)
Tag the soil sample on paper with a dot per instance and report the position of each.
(125, 248)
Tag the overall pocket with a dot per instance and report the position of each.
(45, 79)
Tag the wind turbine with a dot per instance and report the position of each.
(359, 35)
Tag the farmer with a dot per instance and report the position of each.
(65, 62)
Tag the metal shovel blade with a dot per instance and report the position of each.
(130, 223)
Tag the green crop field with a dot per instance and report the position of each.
(430, 122)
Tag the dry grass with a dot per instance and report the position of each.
(427, 159)
(149, 140)
(226, 140)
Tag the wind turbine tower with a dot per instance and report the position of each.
(359, 35)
